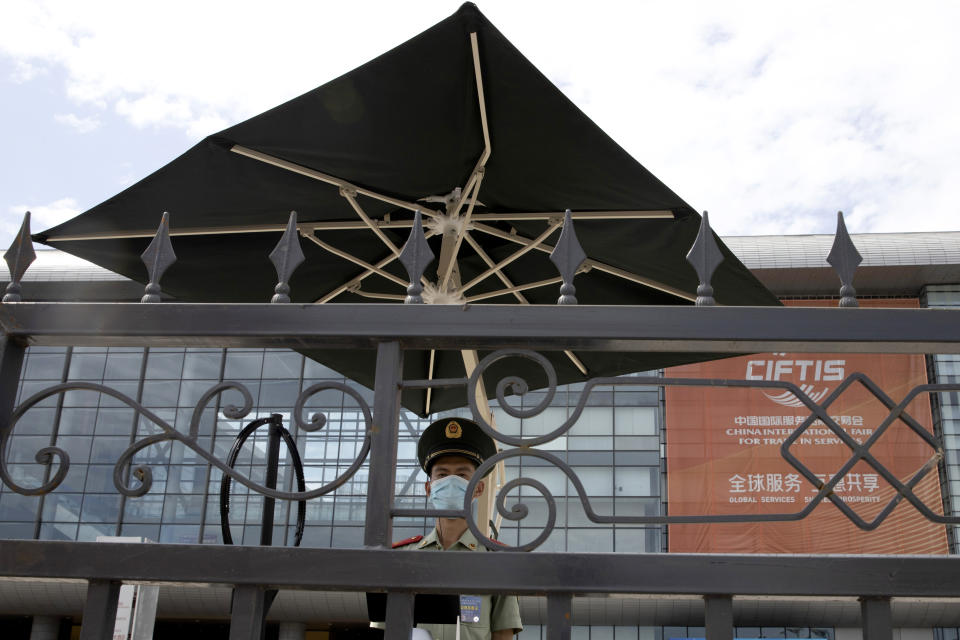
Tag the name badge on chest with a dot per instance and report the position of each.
(470, 609)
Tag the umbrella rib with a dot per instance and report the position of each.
(528, 246)
(589, 263)
(356, 280)
(376, 296)
(324, 177)
(476, 176)
(426, 405)
(366, 265)
(516, 292)
(515, 289)
(367, 221)
(577, 215)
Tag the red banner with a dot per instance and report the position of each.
(723, 455)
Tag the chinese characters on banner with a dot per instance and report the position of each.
(723, 455)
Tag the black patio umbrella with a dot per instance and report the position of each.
(455, 123)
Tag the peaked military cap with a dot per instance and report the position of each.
(454, 437)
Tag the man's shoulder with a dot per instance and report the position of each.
(407, 542)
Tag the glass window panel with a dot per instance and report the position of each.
(637, 481)
(576, 516)
(597, 481)
(601, 633)
(160, 393)
(37, 422)
(579, 633)
(180, 534)
(593, 421)
(77, 447)
(26, 475)
(149, 531)
(243, 364)
(127, 388)
(87, 366)
(62, 507)
(638, 458)
(100, 479)
(601, 443)
(192, 390)
(637, 443)
(17, 508)
(773, 632)
(28, 388)
(16, 530)
(111, 422)
(23, 449)
(77, 421)
(201, 365)
(108, 448)
(282, 364)
(633, 541)
(234, 397)
(544, 422)
(347, 537)
(182, 508)
(554, 479)
(102, 508)
(313, 369)
(635, 421)
(58, 531)
(44, 366)
(165, 366)
(146, 508)
(279, 393)
(123, 366)
(625, 633)
(556, 541)
(316, 537)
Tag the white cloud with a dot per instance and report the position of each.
(773, 116)
(42, 216)
(79, 124)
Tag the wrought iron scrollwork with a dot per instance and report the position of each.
(142, 476)
(818, 414)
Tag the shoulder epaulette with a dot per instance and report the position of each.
(403, 543)
(502, 544)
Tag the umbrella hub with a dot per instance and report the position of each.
(434, 295)
(448, 225)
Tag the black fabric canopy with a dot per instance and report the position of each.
(405, 126)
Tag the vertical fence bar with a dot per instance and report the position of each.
(273, 462)
(383, 449)
(247, 612)
(11, 361)
(100, 610)
(559, 618)
(399, 620)
(876, 619)
(718, 617)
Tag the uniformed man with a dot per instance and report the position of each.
(450, 450)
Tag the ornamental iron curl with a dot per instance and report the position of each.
(818, 412)
(142, 474)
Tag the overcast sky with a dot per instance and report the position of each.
(771, 115)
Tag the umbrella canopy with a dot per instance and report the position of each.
(457, 123)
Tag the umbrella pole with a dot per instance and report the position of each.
(486, 499)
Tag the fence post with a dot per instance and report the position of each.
(383, 449)
(718, 617)
(11, 361)
(100, 610)
(248, 612)
(876, 619)
(399, 620)
(559, 616)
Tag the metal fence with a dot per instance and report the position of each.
(507, 332)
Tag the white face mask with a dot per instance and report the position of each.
(447, 492)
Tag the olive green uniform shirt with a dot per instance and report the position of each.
(496, 612)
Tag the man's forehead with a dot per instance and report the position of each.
(454, 463)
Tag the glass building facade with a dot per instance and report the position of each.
(615, 449)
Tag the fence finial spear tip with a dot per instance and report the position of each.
(844, 258)
(158, 256)
(286, 257)
(18, 258)
(415, 257)
(568, 255)
(705, 257)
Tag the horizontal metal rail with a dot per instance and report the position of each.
(548, 327)
(530, 573)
